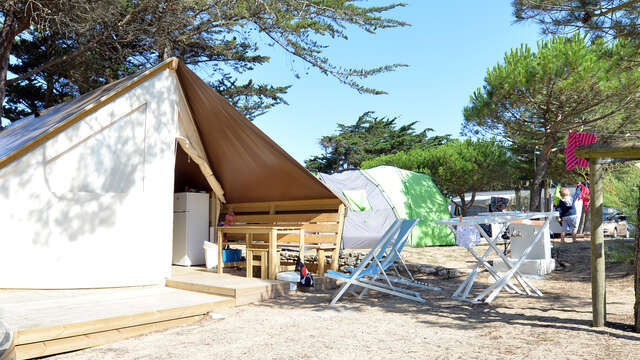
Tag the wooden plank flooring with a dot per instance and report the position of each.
(57, 346)
(46, 322)
(242, 289)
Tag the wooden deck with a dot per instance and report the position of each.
(46, 322)
(242, 289)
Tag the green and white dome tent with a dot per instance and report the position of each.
(379, 196)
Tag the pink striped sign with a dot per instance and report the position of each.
(577, 139)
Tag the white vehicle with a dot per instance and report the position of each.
(615, 224)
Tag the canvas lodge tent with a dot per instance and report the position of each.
(378, 196)
(86, 187)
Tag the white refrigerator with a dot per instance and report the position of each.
(190, 228)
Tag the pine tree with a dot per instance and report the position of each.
(609, 18)
(458, 167)
(223, 37)
(533, 99)
(368, 138)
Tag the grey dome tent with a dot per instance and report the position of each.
(379, 196)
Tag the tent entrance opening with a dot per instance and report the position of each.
(191, 204)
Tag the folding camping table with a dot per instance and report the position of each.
(501, 280)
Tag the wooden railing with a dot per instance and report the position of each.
(321, 219)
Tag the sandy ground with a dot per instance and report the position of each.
(556, 326)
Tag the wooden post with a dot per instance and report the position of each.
(598, 285)
(335, 258)
(249, 255)
(214, 212)
(301, 245)
(274, 260)
(321, 261)
(598, 289)
(220, 264)
(636, 276)
(213, 222)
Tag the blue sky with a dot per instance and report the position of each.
(448, 48)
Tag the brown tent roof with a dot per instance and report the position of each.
(248, 164)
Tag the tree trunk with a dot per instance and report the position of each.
(534, 195)
(13, 25)
(584, 220)
(547, 182)
(586, 226)
(542, 164)
(469, 204)
(464, 206)
(50, 86)
(168, 51)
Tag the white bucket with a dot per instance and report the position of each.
(292, 277)
(210, 254)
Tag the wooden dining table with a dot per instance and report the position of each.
(273, 231)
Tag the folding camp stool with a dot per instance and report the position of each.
(501, 280)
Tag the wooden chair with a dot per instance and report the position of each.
(263, 261)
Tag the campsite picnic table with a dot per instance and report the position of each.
(469, 233)
(271, 244)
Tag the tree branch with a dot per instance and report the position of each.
(616, 8)
(79, 51)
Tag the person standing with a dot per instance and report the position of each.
(568, 214)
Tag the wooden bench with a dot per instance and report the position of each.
(322, 221)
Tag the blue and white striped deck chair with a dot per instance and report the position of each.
(391, 261)
(377, 261)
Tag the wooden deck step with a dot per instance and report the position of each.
(242, 289)
(46, 322)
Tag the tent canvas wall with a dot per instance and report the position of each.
(391, 193)
(363, 226)
(87, 187)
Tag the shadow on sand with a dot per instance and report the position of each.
(556, 309)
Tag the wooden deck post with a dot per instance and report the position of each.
(274, 257)
(335, 258)
(594, 152)
(249, 255)
(220, 244)
(636, 276)
(598, 285)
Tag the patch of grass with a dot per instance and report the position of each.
(620, 253)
